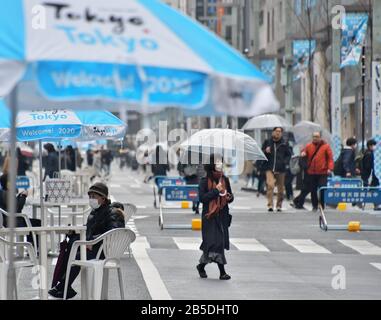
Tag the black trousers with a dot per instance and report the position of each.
(311, 184)
(90, 254)
(288, 185)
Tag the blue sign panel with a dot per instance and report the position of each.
(22, 182)
(344, 183)
(163, 181)
(352, 195)
(181, 193)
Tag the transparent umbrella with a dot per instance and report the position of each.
(303, 132)
(266, 121)
(227, 142)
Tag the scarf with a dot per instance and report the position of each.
(217, 204)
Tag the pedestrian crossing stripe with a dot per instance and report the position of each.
(376, 265)
(188, 243)
(362, 246)
(306, 246)
(248, 245)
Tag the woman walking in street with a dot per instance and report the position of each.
(215, 194)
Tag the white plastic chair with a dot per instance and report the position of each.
(115, 242)
(4, 264)
(27, 222)
(55, 212)
(129, 211)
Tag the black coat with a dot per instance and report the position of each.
(367, 169)
(101, 220)
(278, 160)
(51, 164)
(348, 161)
(215, 231)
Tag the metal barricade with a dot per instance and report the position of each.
(344, 194)
(164, 181)
(177, 194)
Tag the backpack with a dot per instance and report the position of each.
(294, 165)
(338, 169)
(359, 161)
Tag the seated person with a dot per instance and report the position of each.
(20, 202)
(102, 218)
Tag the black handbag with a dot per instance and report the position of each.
(303, 163)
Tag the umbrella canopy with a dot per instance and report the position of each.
(303, 132)
(266, 121)
(140, 51)
(63, 124)
(227, 142)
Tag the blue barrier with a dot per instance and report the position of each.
(181, 193)
(22, 182)
(163, 181)
(177, 194)
(352, 195)
(338, 182)
(344, 194)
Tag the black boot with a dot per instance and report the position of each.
(223, 274)
(201, 270)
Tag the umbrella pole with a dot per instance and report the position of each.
(11, 276)
(59, 157)
(43, 220)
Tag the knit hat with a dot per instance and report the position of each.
(99, 188)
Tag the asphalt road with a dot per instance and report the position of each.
(273, 255)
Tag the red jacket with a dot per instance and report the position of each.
(323, 160)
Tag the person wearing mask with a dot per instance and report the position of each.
(51, 162)
(346, 164)
(215, 194)
(20, 203)
(102, 218)
(278, 156)
(319, 166)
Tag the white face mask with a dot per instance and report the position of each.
(218, 166)
(94, 203)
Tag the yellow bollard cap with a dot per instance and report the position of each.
(196, 224)
(185, 205)
(354, 226)
(342, 206)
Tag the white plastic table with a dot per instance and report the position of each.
(43, 231)
(74, 204)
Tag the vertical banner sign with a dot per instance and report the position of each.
(303, 51)
(268, 67)
(336, 113)
(353, 37)
(376, 115)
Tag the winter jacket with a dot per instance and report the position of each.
(51, 164)
(215, 231)
(322, 161)
(279, 157)
(367, 169)
(348, 161)
(102, 220)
